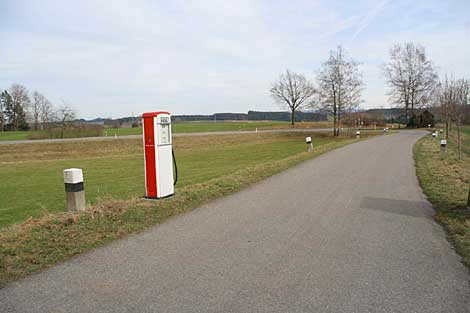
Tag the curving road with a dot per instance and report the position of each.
(349, 231)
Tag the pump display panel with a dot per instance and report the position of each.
(163, 128)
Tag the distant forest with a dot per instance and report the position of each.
(253, 116)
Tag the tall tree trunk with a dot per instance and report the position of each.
(36, 122)
(292, 117)
(334, 121)
(458, 139)
(15, 121)
(350, 123)
(468, 199)
(339, 123)
(447, 128)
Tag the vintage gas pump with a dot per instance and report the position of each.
(159, 156)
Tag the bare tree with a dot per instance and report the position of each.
(468, 199)
(462, 99)
(21, 103)
(445, 97)
(46, 114)
(292, 90)
(453, 98)
(65, 114)
(411, 78)
(340, 86)
(37, 105)
(2, 110)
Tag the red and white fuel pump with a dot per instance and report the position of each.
(159, 157)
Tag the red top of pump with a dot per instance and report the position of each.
(153, 114)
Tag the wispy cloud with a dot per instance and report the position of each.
(368, 18)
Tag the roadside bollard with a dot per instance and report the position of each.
(358, 134)
(443, 145)
(308, 140)
(74, 189)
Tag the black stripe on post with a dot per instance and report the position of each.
(74, 187)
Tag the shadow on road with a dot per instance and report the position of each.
(401, 207)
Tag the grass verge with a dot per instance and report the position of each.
(38, 243)
(31, 175)
(445, 181)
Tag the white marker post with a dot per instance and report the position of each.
(434, 135)
(308, 140)
(443, 145)
(358, 134)
(74, 189)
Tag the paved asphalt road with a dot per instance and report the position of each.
(349, 231)
(195, 134)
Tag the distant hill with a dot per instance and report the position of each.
(388, 115)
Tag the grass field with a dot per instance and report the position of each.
(12, 135)
(32, 185)
(445, 181)
(187, 127)
(32, 182)
(194, 127)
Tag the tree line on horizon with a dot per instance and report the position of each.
(410, 75)
(22, 110)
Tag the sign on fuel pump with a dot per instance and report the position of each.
(159, 157)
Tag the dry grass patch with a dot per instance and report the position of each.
(445, 181)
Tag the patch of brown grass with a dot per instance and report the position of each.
(102, 148)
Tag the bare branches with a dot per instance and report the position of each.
(64, 114)
(20, 103)
(46, 114)
(410, 76)
(4, 98)
(40, 110)
(17, 108)
(453, 97)
(292, 90)
(340, 85)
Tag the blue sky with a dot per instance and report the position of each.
(117, 58)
